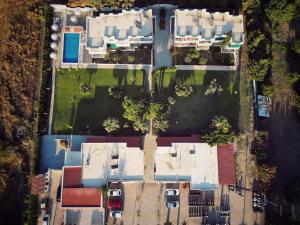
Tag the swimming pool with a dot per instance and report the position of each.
(71, 47)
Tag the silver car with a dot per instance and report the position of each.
(173, 204)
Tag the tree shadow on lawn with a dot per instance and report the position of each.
(91, 112)
(194, 113)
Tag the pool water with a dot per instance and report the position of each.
(71, 47)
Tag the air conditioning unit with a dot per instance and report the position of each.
(192, 152)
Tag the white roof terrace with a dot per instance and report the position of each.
(205, 25)
(194, 162)
(122, 29)
(110, 161)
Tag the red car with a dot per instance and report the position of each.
(116, 204)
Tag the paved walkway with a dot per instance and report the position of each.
(162, 38)
(149, 149)
(208, 67)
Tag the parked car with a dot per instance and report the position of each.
(116, 204)
(46, 219)
(58, 194)
(114, 192)
(173, 204)
(172, 192)
(116, 214)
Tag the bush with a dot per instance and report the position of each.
(116, 91)
(191, 55)
(259, 69)
(202, 60)
(213, 88)
(268, 90)
(111, 124)
(266, 173)
(219, 132)
(171, 100)
(296, 46)
(183, 90)
(130, 58)
(160, 123)
(116, 58)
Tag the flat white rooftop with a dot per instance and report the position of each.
(207, 25)
(110, 161)
(118, 27)
(194, 162)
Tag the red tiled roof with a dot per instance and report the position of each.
(226, 164)
(37, 184)
(81, 197)
(72, 177)
(167, 141)
(132, 141)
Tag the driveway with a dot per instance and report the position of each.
(162, 38)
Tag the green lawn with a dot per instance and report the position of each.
(81, 113)
(193, 114)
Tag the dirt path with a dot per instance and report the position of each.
(284, 128)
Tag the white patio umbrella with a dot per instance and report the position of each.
(74, 19)
(54, 27)
(53, 55)
(54, 37)
(53, 45)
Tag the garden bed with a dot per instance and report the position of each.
(141, 55)
(213, 56)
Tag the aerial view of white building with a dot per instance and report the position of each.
(201, 29)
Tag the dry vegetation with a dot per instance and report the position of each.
(20, 53)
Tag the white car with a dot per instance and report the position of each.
(114, 192)
(116, 214)
(172, 192)
(46, 219)
(173, 204)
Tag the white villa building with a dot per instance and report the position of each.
(127, 29)
(201, 29)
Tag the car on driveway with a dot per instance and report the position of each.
(114, 192)
(46, 219)
(172, 192)
(172, 204)
(115, 204)
(116, 214)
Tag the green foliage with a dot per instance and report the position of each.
(266, 173)
(292, 78)
(202, 60)
(226, 40)
(191, 55)
(296, 46)
(111, 124)
(115, 91)
(133, 110)
(116, 57)
(183, 90)
(153, 110)
(269, 90)
(160, 123)
(141, 125)
(104, 190)
(213, 88)
(171, 100)
(259, 69)
(219, 132)
(130, 58)
(280, 11)
(32, 210)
